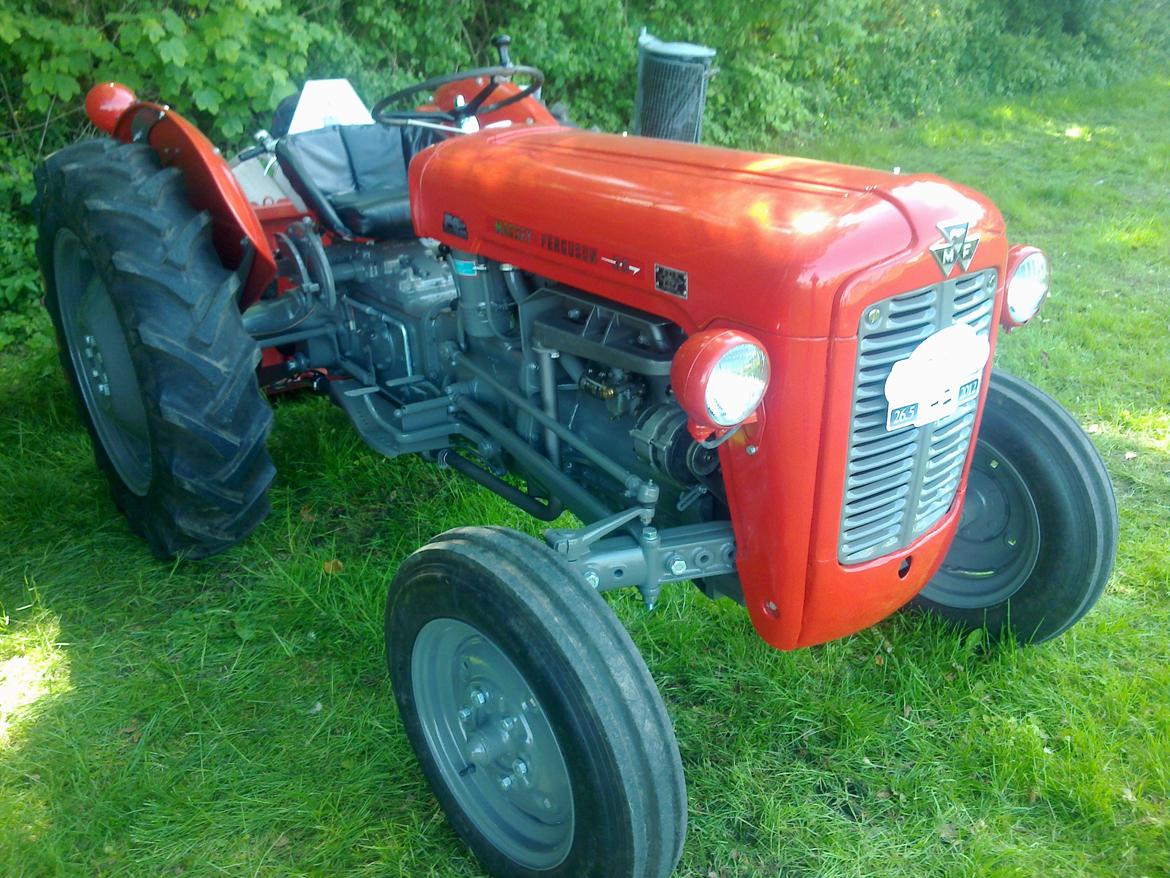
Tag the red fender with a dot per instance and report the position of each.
(211, 186)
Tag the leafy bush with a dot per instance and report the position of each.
(785, 65)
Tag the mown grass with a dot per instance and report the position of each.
(233, 717)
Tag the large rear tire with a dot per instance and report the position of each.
(1038, 534)
(536, 722)
(153, 346)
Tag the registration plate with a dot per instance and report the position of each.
(943, 372)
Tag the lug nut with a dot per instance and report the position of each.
(465, 715)
(505, 783)
(520, 767)
(479, 696)
(104, 389)
(676, 564)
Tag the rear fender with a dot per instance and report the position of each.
(211, 186)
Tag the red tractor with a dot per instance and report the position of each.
(769, 376)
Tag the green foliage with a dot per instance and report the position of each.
(785, 66)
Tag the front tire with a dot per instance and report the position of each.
(534, 718)
(152, 343)
(1038, 534)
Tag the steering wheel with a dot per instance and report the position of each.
(495, 75)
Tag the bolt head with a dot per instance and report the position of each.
(751, 450)
(592, 578)
(676, 565)
(466, 714)
(479, 696)
(520, 767)
(104, 389)
(90, 341)
(994, 464)
(873, 316)
(506, 783)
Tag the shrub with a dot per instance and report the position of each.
(785, 65)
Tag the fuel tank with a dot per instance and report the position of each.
(694, 233)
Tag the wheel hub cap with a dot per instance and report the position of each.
(493, 743)
(998, 540)
(101, 361)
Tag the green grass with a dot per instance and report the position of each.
(233, 717)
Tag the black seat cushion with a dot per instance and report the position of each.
(354, 177)
(376, 213)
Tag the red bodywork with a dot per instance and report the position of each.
(789, 250)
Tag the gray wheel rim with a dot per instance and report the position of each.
(998, 541)
(101, 360)
(493, 743)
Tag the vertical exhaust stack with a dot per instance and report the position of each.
(672, 88)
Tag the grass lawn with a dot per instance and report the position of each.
(233, 717)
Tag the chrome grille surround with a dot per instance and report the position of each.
(898, 484)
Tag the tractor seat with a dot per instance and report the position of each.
(354, 176)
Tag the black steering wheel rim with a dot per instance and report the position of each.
(472, 107)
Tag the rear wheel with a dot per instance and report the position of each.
(1038, 533)
(152, 343)
(532, 714)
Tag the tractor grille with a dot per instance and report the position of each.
(898, 484)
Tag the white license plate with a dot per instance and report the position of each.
(943, 372)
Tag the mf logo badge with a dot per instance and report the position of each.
(956, 247)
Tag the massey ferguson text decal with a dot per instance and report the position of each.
(956, 248)
(545, 241)
(523, 234)
(572, 249)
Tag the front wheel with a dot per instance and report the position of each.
(1038, 533)
(531, 712)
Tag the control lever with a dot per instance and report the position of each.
(501, 42)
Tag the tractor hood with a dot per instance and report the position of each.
(694, 233)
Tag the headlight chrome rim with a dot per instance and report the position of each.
(741, 371)
(720, 378)
(1027, 287)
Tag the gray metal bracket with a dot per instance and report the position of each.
(649, 560)
(575, 543)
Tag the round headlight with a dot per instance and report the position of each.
(736, 384)
(1027, 284)
(719, 377)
